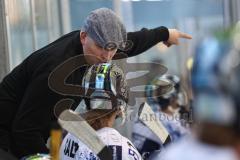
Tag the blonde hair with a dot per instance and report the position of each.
(99, 118)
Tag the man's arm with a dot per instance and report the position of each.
(144, 39)
(11, 91)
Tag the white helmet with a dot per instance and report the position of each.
(105, 88)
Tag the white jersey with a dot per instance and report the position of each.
(191, 149)
(73, 149)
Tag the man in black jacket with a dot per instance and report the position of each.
(26, 100)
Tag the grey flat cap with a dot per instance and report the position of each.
(105, 28)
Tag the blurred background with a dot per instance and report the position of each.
(28, 25)
(31, 24)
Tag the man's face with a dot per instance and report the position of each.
(98, 53)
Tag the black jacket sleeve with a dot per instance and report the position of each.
(144, 39)
(11, 91)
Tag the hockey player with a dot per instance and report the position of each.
(166, 109)
(100, 108)
(216, 89)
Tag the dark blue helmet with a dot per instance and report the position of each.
(167, 89)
